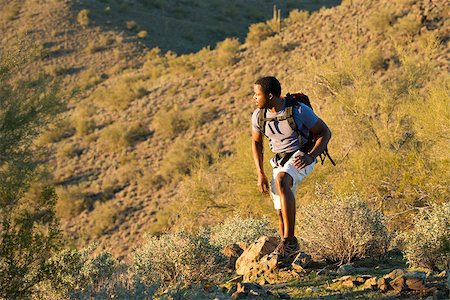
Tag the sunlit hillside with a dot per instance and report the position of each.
(154, 140)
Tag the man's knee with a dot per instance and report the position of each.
(284, 181)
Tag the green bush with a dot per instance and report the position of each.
(131, 25)
(55, 133)
(340, 228)
(142, 34)
(408, 25)
(10, 11)
(381, 20)
(257, 33)
(29, 231)
(82, 120)
(271, 46)
(183, 156)
(297, 17)
(237, 229)
(226, 52)
(75, 270)
(71, 202)
(175, 121)
(428, 243)
(65, 151)
(115, 137)
(103, 218)
(179, 258)
(83, 17)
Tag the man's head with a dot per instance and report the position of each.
(266, 89)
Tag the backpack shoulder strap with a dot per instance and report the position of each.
(262, 120)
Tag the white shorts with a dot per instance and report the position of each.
(289, 168)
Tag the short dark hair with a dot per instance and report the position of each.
(270, 84)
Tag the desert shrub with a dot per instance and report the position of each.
(142, 34)
(297, 17)
(175, 121)
(71, 202)
(56, 132)
(237, 229)
(257, 33)
(226, 52)
(137, 131)
(131, 25)
(10, 11)
(381, 20)
(73, 270)
(119, 95)
(271, 46)
(105, 40)
(83, 121)
(373, 57)
(178, 257)
(103, 217)
(89, 79)
(341, 228)
(66, 150)
(428, 243)
(183, 156)
(408, 25)
(92, 47)
(115, 137)
(83, 17)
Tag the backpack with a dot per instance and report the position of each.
(294, 100)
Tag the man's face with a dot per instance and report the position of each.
(260, 98)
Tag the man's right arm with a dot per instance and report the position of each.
(257, 149)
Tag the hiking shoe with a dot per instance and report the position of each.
(287, 249)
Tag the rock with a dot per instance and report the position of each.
(247, 289)
(383, 284)
(298, 268)
(415, 280)
(232, 253)
(265, 245)
(370, 284)
(323, 272)
(345, 269)
(302, 260)
(398, 284)
(348, 284)
(345, 278)
(394, 274)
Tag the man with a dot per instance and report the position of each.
(292, 162)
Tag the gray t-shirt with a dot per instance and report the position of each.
(281, 136)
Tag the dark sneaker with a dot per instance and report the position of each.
(287, 249)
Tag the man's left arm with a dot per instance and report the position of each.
(323, 134)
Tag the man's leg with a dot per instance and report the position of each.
(280, 223)
(284, 183)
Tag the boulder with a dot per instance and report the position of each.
(264, 246)
(248, 289)
(415, 280)
(345, 269)
(394, 274)
(398, 284)
(383, 284)
(370, 284)
(232, 253)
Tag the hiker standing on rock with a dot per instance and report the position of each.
(297, 137)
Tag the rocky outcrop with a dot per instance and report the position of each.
(251, 257)
(397, 280)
